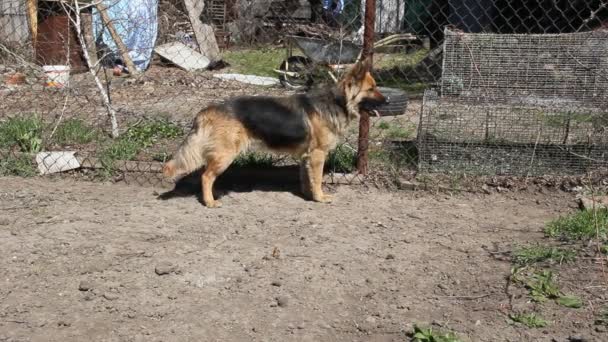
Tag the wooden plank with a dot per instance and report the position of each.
(32, 16)
(122, 48)
(205, 37)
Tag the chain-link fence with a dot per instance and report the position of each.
(108, 89)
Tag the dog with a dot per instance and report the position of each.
(307, 126)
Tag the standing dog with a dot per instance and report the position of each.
(306, 126)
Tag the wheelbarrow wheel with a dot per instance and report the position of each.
(299, 76)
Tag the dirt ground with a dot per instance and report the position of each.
(83, 260)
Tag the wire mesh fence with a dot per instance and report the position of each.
(108, 89)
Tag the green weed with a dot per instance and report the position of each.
(148, 133)
(535, 254)
(12, 165)
(570, 302)
(580, 225)
(75, 131)
(542, 286)
(136, 139)
(429, 335)
(260, 62)
(530, 320)
(395, 131)
(602, 317)
(24, 132)
(343, 159)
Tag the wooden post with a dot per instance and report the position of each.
(364, 122)
(204, 34)
(122, 48)
(32, 15)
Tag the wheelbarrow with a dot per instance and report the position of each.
(296, 72)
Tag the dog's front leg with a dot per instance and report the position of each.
(315, 175)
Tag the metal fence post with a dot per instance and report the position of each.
(364, 123)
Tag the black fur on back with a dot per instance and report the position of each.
(278, 122)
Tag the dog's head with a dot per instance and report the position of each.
(359, 88)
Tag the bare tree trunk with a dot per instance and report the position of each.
(76, 8)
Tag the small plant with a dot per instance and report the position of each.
(134, 140)
(253, 160)
(161, 156)
(395, 131)
(580, 225)
(74, 131)
(530, 320)
(429, 335)
(535, 254)
(342, 159)
(17, 166)
(23, 132)
(150, 132)
(570, 302)
(543, 287)
(602, 317)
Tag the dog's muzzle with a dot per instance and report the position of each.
(371, 105)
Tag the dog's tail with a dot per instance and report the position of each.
(191, 155)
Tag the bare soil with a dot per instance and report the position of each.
(110, 262)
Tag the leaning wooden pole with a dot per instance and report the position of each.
(364, 123)
(122, 48)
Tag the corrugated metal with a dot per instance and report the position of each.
(13, 21)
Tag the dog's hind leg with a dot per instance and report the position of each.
(315, 174)
(305, 184)
(216, 165)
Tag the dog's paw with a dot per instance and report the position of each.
(214, 204)
(324, 199)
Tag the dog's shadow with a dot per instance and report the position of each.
(240, 180)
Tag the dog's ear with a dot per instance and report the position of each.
(359, 70)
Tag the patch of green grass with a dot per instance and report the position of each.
(586, 224)
(429, 335)
(25, 132)
(260, 62)
(254, 160)
(602, 317)
(534, 254)
(75, 131)
(383, 125)
(161, 156)
(12, 165)
(136, 139)
(399, 59)
(395, 130)
(149, 132)
(530, 320)
(542, 286)
(570, 302)
(343, 159)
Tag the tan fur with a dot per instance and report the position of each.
(217, 138)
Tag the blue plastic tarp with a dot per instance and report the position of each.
(136, 22)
